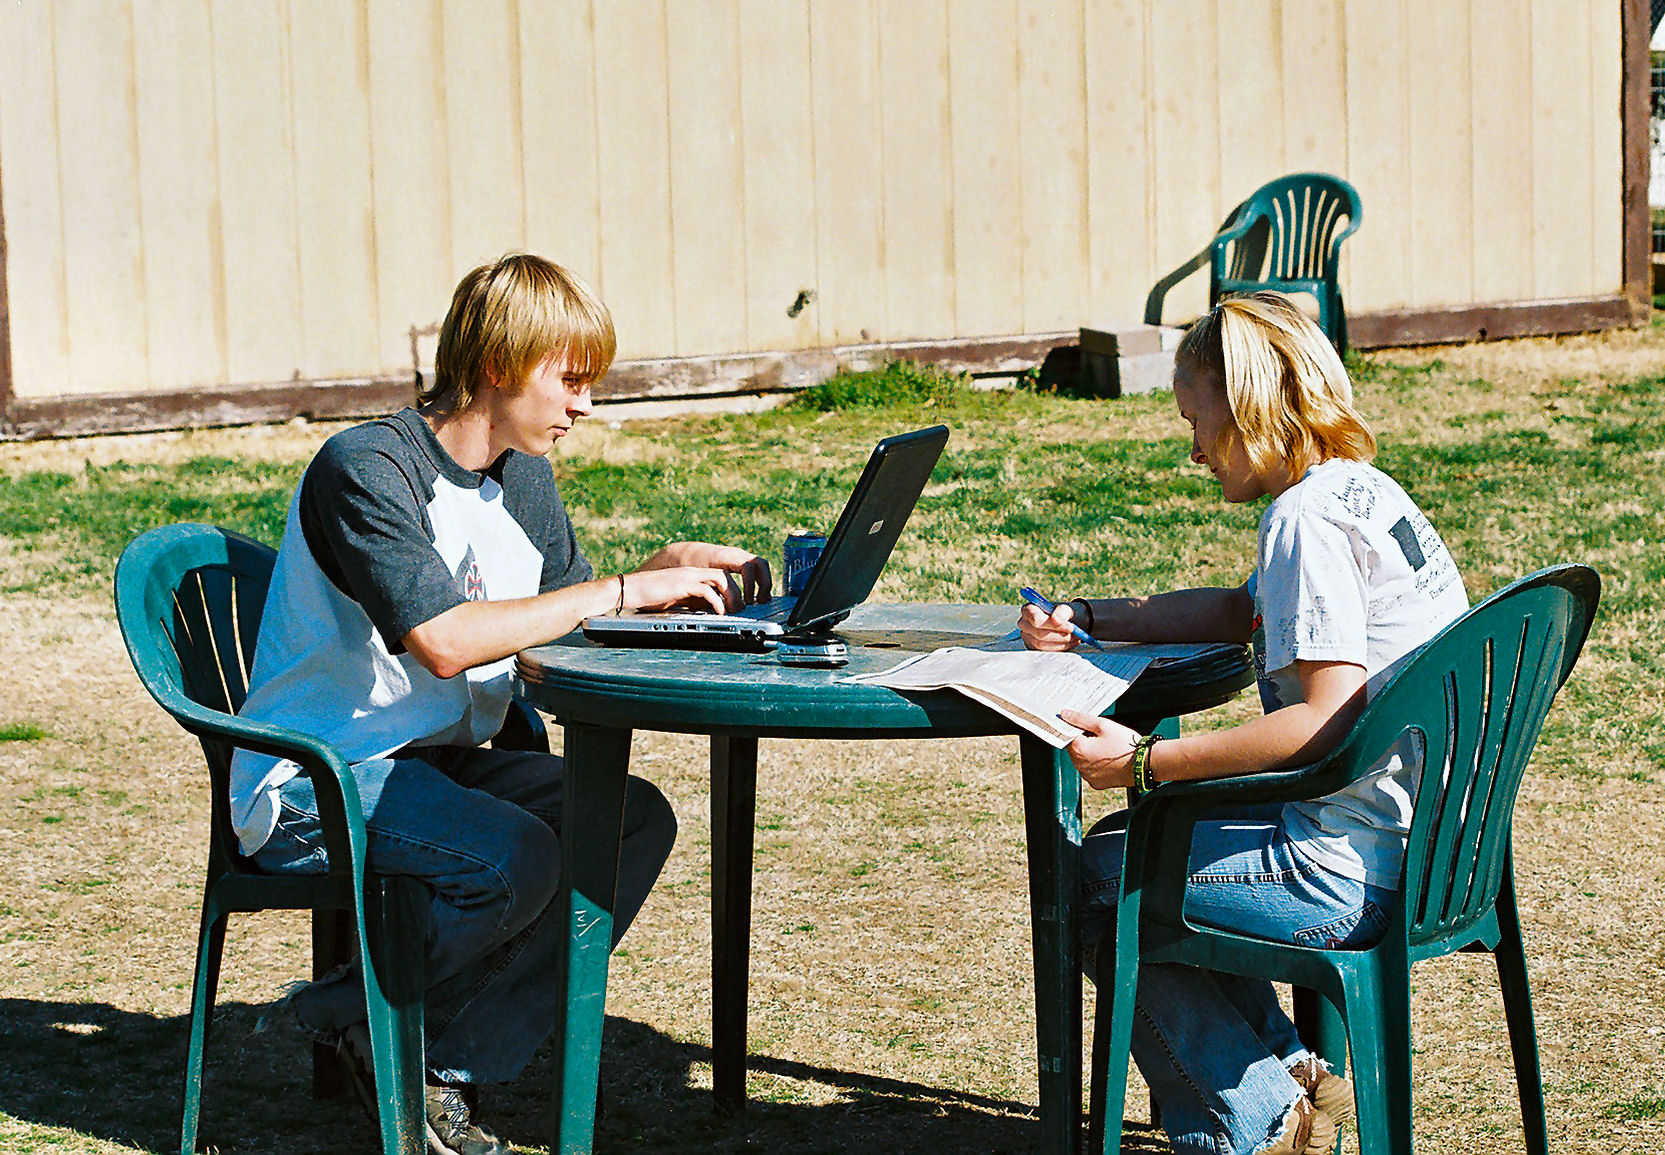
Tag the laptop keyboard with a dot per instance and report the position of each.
(773, 610)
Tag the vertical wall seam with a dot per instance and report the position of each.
(670, 193)
(6, 390)
(287, 47)
(816, 204)
(442, 86)
(217, 238)
(948, 145)
(366, 82)
(1151, 197)
(597, 275)
(750, 339)
(60, 291)
(1084, 216)
(878, 61)
(142, 272)
(1528, 127)
(1408, 235)
(517, 93)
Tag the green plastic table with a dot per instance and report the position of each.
(601, 694)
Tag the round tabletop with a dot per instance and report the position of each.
(702, 691)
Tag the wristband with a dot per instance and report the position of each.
(1141, 762)
(1086, 612)
(620, 610)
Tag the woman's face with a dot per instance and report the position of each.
(1201, 397)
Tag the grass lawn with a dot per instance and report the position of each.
(890, 970)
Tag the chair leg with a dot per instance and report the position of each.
(1523, 1038)
(1377, 1013)
(1321, 1027)
(395, 919)
(210, 945)
(1112, 1044)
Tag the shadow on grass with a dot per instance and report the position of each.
(113, 1075)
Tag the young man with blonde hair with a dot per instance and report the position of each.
(421, 552)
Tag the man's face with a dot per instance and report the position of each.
(1201, 398)
(543, 409)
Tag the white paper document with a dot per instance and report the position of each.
(1029, 686)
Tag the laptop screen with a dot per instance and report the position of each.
(868, 529)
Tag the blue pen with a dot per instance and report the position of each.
(1047, 607)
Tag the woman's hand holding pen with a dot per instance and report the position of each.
(1104, 754)
(1042, 631)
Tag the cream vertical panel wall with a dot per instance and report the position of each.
(203, 193)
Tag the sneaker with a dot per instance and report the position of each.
(451, 1127)
(354, 1052)
(1306, 1131)
(1329, 1092)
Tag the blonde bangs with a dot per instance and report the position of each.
(507, 318)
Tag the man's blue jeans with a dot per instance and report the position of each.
(482, 828)
(1215, 1048)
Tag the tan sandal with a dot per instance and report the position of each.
(1329, 1092)
(1306, 1131)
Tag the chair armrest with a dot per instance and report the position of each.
(1161, 824)
(1153, 302)
(340, 810)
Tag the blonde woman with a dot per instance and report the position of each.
(1350, 578)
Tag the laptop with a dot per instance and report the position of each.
(849, 566)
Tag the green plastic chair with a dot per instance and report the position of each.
(1286, 236)
(1477, 694)
(189, 600)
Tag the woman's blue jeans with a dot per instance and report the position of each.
(1215, 1048)
(482, 828)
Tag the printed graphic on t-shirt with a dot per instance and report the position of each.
(1405, 535)
(469, 579)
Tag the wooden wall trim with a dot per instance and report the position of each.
(1635, 31)
(685, 377)
(1491, 321)
(738, 375)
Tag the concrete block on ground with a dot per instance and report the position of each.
(1127, 358)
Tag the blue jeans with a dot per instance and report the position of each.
(1215, 1048)
(482, 828)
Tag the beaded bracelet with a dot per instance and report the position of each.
(1141, 762)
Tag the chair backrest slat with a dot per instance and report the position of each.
(1302, 215)
(189, 599)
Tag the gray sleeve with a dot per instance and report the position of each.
(365, 522)
(534, 501)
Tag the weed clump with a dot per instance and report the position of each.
(896, 383)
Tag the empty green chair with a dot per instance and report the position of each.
(1477, 694)
(1286, 236)
(189, 600)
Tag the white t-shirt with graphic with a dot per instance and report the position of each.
(1350, 570)
(386, 532)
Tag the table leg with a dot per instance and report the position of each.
(733, 823)
(592, 826)
(1052, 821)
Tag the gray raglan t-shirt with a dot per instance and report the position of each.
(385, 532)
